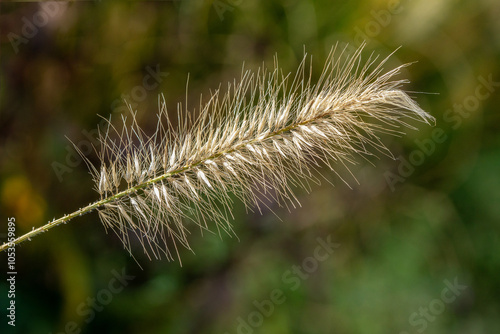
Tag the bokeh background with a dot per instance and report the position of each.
(403, 234)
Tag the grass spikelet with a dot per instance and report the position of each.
(267, 134)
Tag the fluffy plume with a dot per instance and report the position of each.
(266, 135)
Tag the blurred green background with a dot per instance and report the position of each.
(403, 234)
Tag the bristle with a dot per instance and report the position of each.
(266, 135)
